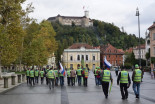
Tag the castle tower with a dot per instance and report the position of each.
(86, 14)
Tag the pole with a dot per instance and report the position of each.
(137, 14)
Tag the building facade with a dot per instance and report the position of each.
(113, 55)
(152, 44)
(84, 21)
(142, 52)
(51, 61)
(73, 56)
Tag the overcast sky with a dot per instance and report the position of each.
(119, 12)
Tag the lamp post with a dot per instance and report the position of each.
(137, 14)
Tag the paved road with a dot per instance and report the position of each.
(40, 94)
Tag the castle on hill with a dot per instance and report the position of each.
(83, 21)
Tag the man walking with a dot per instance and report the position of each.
(106, 78)
(42, 76)
(68, 76)
(56, 76)
(125, 82)
(79, 74)
(47, 69)
(36, 73)
(85, 76)
(51, 77)
(73, 75)
(95, 74)
(32, 76)
(28, 75)
(136, 78)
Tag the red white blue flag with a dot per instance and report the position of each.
(106, 63)
(62, 71)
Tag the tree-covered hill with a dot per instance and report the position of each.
(99, 34)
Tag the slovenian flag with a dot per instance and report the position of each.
(62, 71)
(106, 63)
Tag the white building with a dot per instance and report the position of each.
(142, 52)
(147, 42)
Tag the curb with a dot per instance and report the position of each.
(9, 89)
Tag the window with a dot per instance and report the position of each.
(109, 51)
(71, 58)
(116, 56)
(93, 58)
(153, 36)
(86, 57)
(78, 57)
(109, 56)
(82, 57)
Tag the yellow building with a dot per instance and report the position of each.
(74, 54)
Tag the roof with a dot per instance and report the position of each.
(109, 49)
(79, 45)
(141, 47)
(130, 50)
(152, 26)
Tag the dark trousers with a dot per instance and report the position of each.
(46, 81)
(105, 87)
(36, 79)
(32, 80)
(61, 80)
(79, 80)
(68, 80)
(116, 73)
(85, 81)
(49, 82)
(73, 81)
(124, 90)
(42, 80)
(56, 81)
(28, 79)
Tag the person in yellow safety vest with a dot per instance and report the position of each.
(42, 75)
(125, 82)
(56, 76)
(47, 69)
(85, 76)
(36, 74)
(98, 76)
(28, 75)
(68, 76)
(79, 74)
(32, 76)
(136, 78)
(95, 74)
(61, 76)
(106, 77)
(51, 77)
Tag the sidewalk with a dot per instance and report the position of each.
(2, 89)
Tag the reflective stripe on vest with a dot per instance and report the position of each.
(95, 72)
(56, 73)
(51, 74)
(86, 73)
(31, 73)
(79, 71)
(36, 73)
(124, 77)
(106, 76)
(138, 74)
(27, 73)
(68, 73)
(41, 73)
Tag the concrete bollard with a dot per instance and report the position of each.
(13, 82)
(23, 77)
(6, 81)
(19, 78)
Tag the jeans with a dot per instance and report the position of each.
(96, 80)
(99, 81)
(124, 90)
(79, 80)
(105, 88)
(56, 81)
(61, 80)
(49, 82)
(42, 80)
(136, 88)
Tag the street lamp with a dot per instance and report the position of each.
(137, 14)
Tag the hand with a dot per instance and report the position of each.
(128, 86)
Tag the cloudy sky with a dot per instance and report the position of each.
(119, 12)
